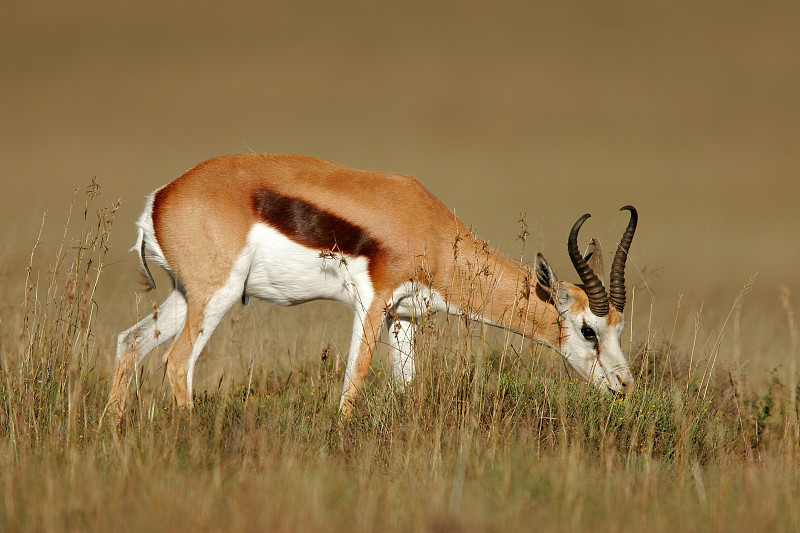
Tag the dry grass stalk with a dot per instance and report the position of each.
(493, 435)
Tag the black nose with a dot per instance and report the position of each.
(625, 383)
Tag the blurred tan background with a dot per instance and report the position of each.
(688, 110)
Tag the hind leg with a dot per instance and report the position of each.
(139, 340)
(201, 321)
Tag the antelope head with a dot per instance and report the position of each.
(591, 320)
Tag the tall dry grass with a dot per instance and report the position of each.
(494, 435)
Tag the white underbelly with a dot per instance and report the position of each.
(287, 273)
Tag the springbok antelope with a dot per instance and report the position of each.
(290, 229)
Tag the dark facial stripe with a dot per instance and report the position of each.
(311, 226)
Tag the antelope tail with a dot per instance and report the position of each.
(147, 278)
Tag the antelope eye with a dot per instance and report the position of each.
(588, 333)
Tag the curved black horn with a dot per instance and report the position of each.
(617, 285)
(598, 299)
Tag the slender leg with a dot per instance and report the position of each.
(139, 340)
(201, 322)
(177, 357)
(366, 329)
(401, 350)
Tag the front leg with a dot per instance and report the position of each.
(401, 350)
(366, 329)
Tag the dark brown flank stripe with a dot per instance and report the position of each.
(311, 226)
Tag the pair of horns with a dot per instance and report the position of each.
(598, 298)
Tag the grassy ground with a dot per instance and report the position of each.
(495, 434)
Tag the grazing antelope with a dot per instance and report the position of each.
(290, 229)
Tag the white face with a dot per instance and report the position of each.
(591, 345)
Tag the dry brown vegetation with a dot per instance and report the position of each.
(687, 110)
(495, 434)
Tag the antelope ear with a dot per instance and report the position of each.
(548, 284)
(594, 258)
